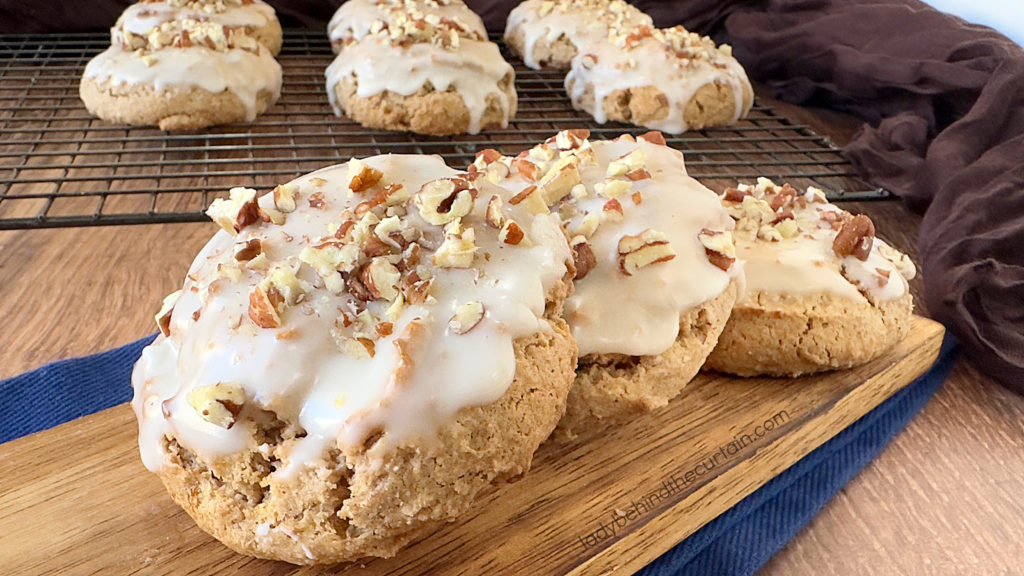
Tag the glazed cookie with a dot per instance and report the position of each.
(549, 33)
(670, 80)
(417, 75)
(357, 18)
(655, 278)
(257, 18)
(189, 75)
(822, 292)
(355, 357)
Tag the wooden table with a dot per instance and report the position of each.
(946, 497)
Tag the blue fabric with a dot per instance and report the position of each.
(65, 390)
(737, 542)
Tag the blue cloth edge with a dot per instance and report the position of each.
(67, 389)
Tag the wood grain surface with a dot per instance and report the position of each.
(76, 499)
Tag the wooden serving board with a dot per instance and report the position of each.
(76, 499)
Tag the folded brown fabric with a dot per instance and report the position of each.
(944, 102)
(20, 17)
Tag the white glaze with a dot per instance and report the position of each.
(241, 72)
(654, 61)
(299, 370)
(639, 314)
(806, 263)
(473, 69)
(354, 19)
(611, 312)
(140, 18)
(584, 23)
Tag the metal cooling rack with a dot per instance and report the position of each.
(60, 167)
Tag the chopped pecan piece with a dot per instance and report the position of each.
(237, 211)
(734, 194)
(583, 257)
(637, 251)
(654, 137)
(262, 310)
(219, 404)
(719, 247)
(361, 176)
(466, 317)
(245, 251)
(855, 238)
(511, 233)
(163, 317)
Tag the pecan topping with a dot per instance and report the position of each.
(719, 247)
(442, 201)
(237, 211)
(569, 139)
(648, 247)
(466, 317)
(380, 278)
(414, 289)
(245, 251)
(488, 156)
(511, 233)
(531, 195)
(654, 137)
(734, 194)
(262, 310)
(638, 174)
(316, 200)
(284, 197)
(612, 209)
(583, 257)
(219, 404)
(560, 179)
(526, 168)
(384, 329)
(493, 215)
(361, 176)
(855, 238)
(163, 317)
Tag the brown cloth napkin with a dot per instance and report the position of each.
(943, 103)
(944, 106)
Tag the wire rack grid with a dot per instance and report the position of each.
(61, 167)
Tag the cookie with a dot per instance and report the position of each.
(357, 18)
(650, 297)
(190, 75)
(822, 291)
(355, 357)
(255, 17)
(420, 77)
(549, 33)
(669, 80)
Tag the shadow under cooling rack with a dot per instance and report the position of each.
(61, 167)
